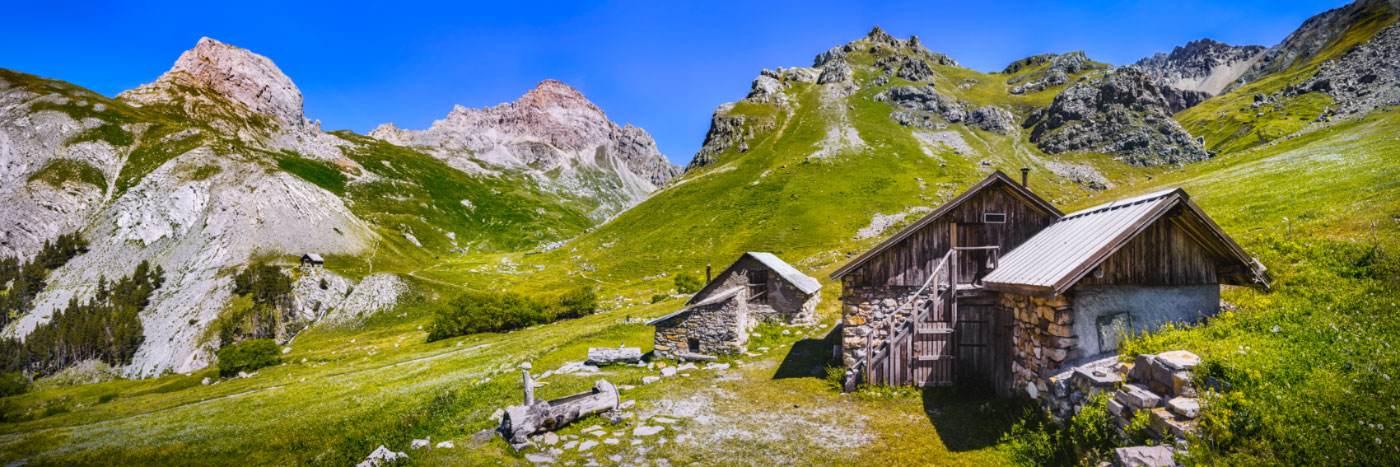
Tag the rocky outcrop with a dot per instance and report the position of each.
(554, 134)
(1203, 66)
(231, 73)
(922, 103)
(1056, 73)
(1122, 112)
(835, 71)
(727, 131)
(1366, 78)
(992, 118)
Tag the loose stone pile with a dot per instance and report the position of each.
(1162, 387)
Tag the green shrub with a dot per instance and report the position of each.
(1086, 439)
(248, 356)
(13, 384)
(688, 282)
(658, 298)
(108, 398)
(476, 312)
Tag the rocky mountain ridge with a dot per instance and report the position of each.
(553, 128)
(1206, 66)
(214, 164)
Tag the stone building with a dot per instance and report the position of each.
(757, 287)
(997, 287)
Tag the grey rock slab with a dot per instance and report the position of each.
(1185, 406)
(1145, 456)
(1179, 359)
(539, 458)
(1137, 396)
(586, 445)
(643, 430)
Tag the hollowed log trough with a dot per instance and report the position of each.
(534, 417)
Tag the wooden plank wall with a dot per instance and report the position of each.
(909, 262)
(1163, 254)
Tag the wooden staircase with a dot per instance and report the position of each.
(921, 350)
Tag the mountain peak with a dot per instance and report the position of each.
(236, 74)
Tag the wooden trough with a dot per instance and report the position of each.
(534, 417)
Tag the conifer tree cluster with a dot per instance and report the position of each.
(106, 327)
(270, 291)
(20, 281)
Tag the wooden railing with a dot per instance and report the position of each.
(879, 365)
(891, 361)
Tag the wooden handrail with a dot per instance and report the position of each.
(887, 347)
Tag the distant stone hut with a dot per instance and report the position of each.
(312, 260)
(997, 287)
(757, 287)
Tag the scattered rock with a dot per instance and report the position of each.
(446, 445)
(717, 366)
(586, 445)
(668, 371)
(380, 456)
(420, 443)
(643, 430)
(1145, 456)
(539, 458)
(650, 379)
(551, 439)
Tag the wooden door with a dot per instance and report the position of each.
(978, 338)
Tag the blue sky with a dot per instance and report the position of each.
(658, 65)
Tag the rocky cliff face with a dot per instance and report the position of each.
(1120, 112)
(1316, 35)
(1366, 78)
(554, 134)
(164, 185)
(1204, 66)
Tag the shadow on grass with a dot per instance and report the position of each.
(808, 358)
(970, 418)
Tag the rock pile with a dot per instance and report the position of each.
(1162, 387)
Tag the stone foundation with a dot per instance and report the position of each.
(1042, 338)
(866, 315)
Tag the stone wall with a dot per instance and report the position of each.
(866, 314)
(1042, 338)
(720, 328)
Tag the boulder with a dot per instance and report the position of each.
(420, 444)
(380, 456)
(1145, 456)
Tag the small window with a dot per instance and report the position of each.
(693, 345)
(993, 218)
(758, 286)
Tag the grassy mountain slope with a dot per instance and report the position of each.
(1310, 363)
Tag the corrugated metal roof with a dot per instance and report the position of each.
(1066, 247)
(713, 299)
(803, 282)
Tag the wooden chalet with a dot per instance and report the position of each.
(997, 287)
